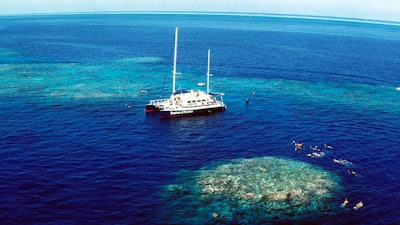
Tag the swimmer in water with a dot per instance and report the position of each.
(316, 154)
(216, 215)
(352, 172)
(345, 202)
(343, 162)
(358, 205)
(328, 146)
(315, 148)
(297, 146)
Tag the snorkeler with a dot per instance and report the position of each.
(328, 146)
(352, 172)
(358, 205)
(315, 148)
(297, 146)
(340, 161)
(345, 202)
(216, 215)
(343, 162)
(316, 154)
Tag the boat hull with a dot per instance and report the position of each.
(152, 108)
(190, 112)
(155, 105)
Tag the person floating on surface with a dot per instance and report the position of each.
(216, 215)
(345, 202)
(297, 146)
(358, 205)
(352, 172)
(316, 154)
(343, 162)
(315, 148)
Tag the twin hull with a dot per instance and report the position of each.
(190, 112)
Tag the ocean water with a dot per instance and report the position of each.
(76, 146)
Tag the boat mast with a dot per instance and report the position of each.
(208, 73)
(175, 57)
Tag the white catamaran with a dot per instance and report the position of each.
(187, 102)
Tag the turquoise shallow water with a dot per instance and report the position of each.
(69, 81)
(77, 147)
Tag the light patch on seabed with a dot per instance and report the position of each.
(251, 191)
(362, 96)
(69, 81)
(7, 52)
(125, 78)
(5, 68)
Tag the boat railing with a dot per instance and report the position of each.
(157, 101)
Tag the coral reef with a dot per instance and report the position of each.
(250, 191)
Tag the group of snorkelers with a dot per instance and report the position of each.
(350, 171)
(356, 207)
(318, 153)
(346, 163)
(298, 146)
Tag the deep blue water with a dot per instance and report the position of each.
(73, 152)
